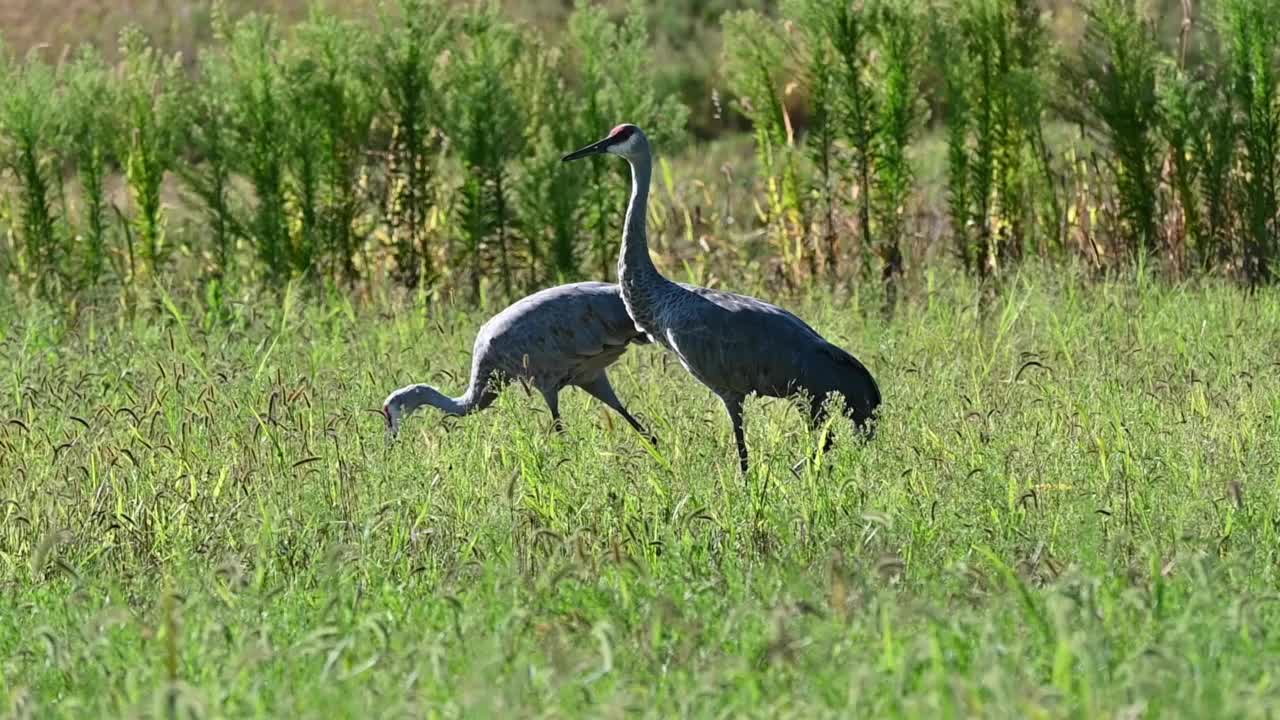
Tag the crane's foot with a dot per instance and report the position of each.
(638, 427)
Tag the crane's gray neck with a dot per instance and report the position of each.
(415, 396)
(644, 290)
(635, 267)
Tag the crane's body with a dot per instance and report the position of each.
(737, 345)
(734, 344)
(557, 337)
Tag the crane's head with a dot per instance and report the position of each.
(626, 140)
(392, 412)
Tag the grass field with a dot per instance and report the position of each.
(1070, 510)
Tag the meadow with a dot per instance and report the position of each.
(1053, 243)
(1069, 510)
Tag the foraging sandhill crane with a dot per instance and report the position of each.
(564, 335)
(733, 344)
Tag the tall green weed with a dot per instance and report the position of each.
(151, 101)
(334, 101)
(1116, 74)
(410, 39)
(901, 114)
(552, 192)
(1253, 28)
(91, 127)
(487, 129)
(29, 138)
(615, 70)
(754, 58)
(1002, 196)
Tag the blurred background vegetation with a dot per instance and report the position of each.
(686, 34)
(416, 143)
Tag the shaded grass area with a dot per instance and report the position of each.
(1070, 509)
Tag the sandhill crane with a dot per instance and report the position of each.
(564, 335)
(733, 344)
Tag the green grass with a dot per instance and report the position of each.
(1070, 510)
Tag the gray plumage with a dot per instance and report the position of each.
(734, 344)
(564, 335)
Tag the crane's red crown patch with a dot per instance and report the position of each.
(619, 131)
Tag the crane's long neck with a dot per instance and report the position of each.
(639, 279)
(415, 396)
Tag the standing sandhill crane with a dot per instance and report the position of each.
(564, 335)
(733, 344)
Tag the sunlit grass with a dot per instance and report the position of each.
(1069, 510)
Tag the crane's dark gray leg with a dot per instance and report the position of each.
(733, 405)
(602, 390)
(553, 402)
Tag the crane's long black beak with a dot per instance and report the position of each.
(595, 148)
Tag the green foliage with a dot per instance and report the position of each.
(321, 145)
(407, 48)
(754, 55)
(335, 98)
(90, 115)
(1254, 36)
(821, 75)
(1116, 74)
(151, 99)
(1214, 148)
(949, 52)
(901, 113)
(487, 127)
(686, 45)
(1184, 103)
(29, 136)
(617, 79)
(999, 172)
(248, 70)
(877, 118)
(211, 133)
(850, 28)
(552, 192)
(423, 147)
